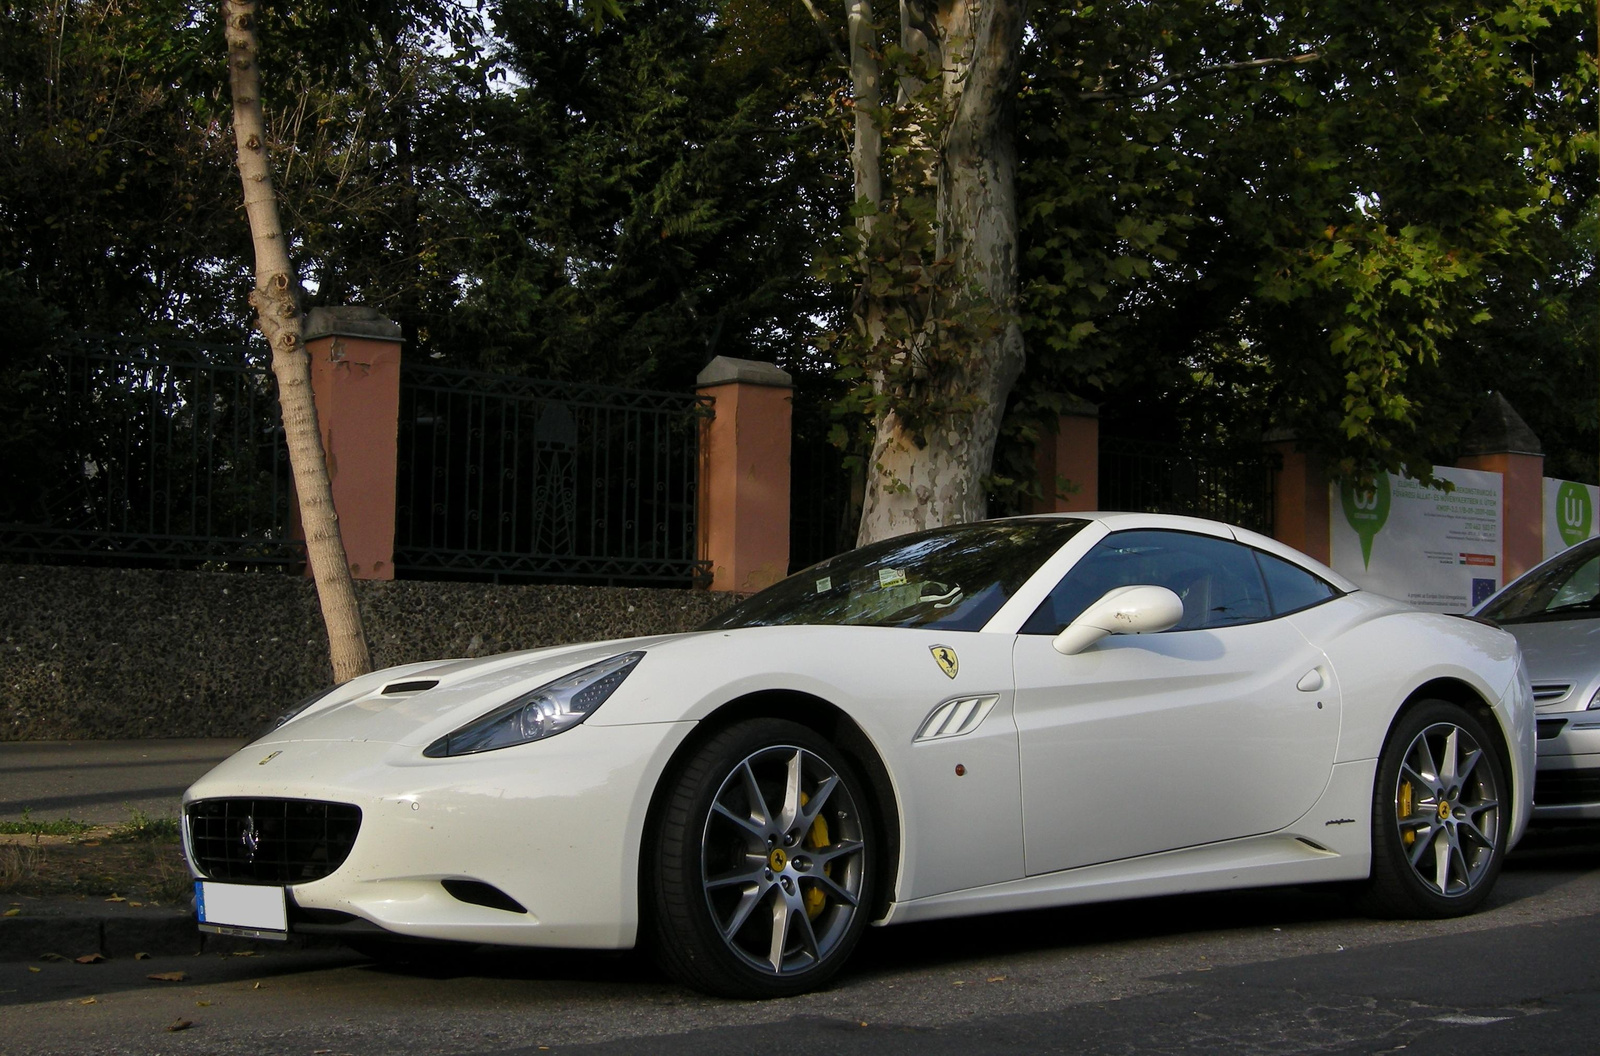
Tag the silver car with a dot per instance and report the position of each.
(1554, 612)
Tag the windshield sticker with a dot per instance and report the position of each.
(824, 584)
(891, 577)
(945, 657)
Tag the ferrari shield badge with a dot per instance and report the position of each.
(945, 657)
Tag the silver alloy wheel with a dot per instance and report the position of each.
(782, 860)
(1447, 807)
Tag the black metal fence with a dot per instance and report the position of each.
(503, 477)
(134, 452)
(1148, 477)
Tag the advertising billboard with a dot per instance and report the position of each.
(1568, 513)
(1435, 549)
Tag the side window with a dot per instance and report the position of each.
(1218, 579)
(1291, 587)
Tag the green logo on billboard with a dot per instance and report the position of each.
(1574, 512)
(1366, 510)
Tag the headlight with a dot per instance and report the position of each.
(295, 711)
(539, 713)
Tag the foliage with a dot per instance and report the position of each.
(1346, 220)
(141, 826)
(1316, 242)
(27, 826)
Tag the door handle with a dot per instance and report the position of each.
(1311, 681)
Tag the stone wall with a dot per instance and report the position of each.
(113, 653)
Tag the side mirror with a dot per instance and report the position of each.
(1124, 610)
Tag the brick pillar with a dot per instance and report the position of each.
(1499, 441)
(1300, 500)
(355, 380)
(1067, 462)
(744, 473)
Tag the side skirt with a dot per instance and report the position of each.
(1332, 841)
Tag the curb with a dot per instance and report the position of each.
(72, 929)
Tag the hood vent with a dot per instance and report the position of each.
(419, 686)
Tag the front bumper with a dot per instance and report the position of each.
(556, 825)
(1567, 786)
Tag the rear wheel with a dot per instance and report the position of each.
(1439, 826)
(763, 864)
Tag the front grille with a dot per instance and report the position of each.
(1558, 788)
(271, 841)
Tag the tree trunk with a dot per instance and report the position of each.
(276, 299)
(936, 476)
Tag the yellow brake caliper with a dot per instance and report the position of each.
(816, 840)
(1409, 836)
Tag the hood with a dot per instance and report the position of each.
(1561, 651)
(418, 703)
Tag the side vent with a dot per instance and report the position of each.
(478, 893)
(955, 717)
(1550, 692)
(420, 686)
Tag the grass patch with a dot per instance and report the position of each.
(59, 827)
(142, 826)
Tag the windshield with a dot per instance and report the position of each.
(1567, 588)
(954, 578)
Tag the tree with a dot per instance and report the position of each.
(1345, 220)
(276, 299)
(934, 340)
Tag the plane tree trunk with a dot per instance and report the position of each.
(276, 299)
(944, 344)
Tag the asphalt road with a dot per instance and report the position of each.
(1262, 973)
(102, 782)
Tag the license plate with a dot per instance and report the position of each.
(242, 908)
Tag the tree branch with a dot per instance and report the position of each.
(1200, 71)
(827, 33)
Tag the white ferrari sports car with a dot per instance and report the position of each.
(999, 716)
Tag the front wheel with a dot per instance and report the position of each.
(763, 864)
(1440, 816)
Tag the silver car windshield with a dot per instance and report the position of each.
(952, 578)
(1567, 588)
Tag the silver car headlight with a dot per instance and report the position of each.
(539, 713)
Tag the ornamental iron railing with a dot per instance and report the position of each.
(144, 452)
(509, 478)
(1149, 477)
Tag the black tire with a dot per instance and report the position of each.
(1441, 816)
(751, 896)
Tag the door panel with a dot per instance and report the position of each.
(1147, 743)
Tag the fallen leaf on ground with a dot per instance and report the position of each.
(90, 958)
(244, 953)
(116, 898)
(13, 912)
(53, 957)
(167, 977)
(141, 956)
(31, 968)
(180, 1024)
(202, 1004)
(136, 903)
(88, 1001)
(997, 978)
